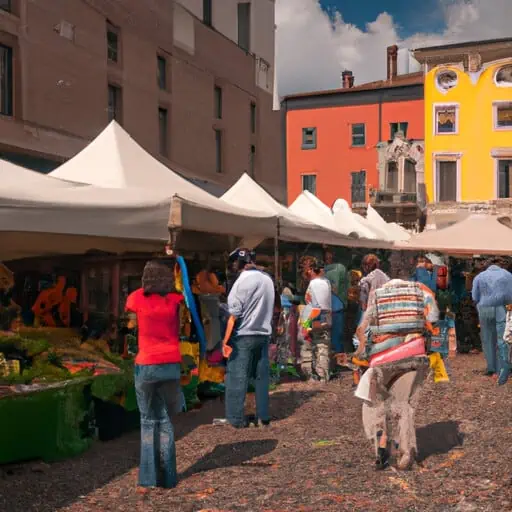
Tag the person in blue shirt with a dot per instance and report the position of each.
(492, 292)
(425, 273)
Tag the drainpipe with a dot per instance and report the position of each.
(380, 115)
(284, 110)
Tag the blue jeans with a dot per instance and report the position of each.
(159, 397)
(249, 359)
(492, 328)
(337, 331)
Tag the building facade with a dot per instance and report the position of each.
(191, 80)
(468, 122)
(336, 140)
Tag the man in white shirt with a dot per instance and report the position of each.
(315, 351)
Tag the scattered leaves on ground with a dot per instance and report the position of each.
(314, 457)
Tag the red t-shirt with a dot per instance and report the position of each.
(158, 322)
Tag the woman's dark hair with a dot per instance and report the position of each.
(370, 263)
(158, 277)
(311, 263)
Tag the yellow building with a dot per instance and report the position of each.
(468, 121)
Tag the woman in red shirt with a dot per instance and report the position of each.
(157, 372)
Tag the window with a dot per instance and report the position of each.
(446, 119)
(114, 103)
(207, 12)
(5, 5)
(398, 127)
(6, 81)
(503, 115)
(253, 117)
(112, 43)
(446, 80)
(218, 150)
(409, 177)
(218, 102)
(163, 131)
(504, 76)
(244, 26)
(504, 181)
(392, 177)
(161, 72)
(308, 138)
(358, 135)
(446, 180)
(358, 189)
(309, 183)
(252, 161)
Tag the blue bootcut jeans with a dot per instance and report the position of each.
(249, 359)
(338, 331)
(492, 328)
(159, 397)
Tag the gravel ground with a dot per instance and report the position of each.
(314, 457)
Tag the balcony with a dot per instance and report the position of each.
(399, 207)
(390, 198)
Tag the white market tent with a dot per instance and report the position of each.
(394, 230)
(248, 194)
(476, 234)
(37, 222)
(114, 160)
(310, 207)
(43, 215)
(345, 217)
(12, 175)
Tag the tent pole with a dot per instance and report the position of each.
(277, 269)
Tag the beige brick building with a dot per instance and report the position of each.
(191, 80)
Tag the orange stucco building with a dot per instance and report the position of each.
(332, 137)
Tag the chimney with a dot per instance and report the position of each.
(347, 79)
(392, 52)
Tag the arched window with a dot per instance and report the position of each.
(504, 76)
(446, 80)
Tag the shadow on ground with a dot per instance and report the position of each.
(47, 487)
(438, 438)
(233, 454)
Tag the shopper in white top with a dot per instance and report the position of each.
(315, 351)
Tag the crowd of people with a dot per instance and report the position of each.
(402, 331)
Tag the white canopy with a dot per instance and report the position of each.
(114, 160)
(12, 175)
(476, 234)
(394, 231)
(310, 207)
(345, 218)
(248, 194)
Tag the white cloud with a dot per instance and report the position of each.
(313, 48)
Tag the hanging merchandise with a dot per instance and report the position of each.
(442, 277)
(183, 285)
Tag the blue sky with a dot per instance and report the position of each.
(411, 17)
(312, 51)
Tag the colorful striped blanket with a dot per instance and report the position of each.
(399, 309)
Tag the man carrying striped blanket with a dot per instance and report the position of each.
(399, 319)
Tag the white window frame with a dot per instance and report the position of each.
(437, 106)
(307, 174)
(496, 83)
(497, 155)
(495, 106)
(439, 73)
(438, 157)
